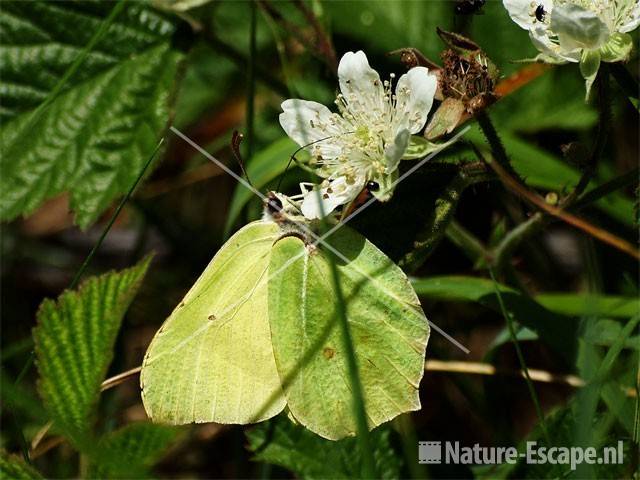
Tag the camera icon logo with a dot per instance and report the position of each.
(429, 452)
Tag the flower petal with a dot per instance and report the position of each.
(360, 85)
(414, 97)
(523, 12)
(577, 27)
(326, 199)
(618, 48)
(630, 18)
(306, 122)
(551, 51)
(395, 151)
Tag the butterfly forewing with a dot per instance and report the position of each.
(212, 360)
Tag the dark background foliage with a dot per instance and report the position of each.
(72, 149)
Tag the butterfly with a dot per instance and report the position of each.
(257, 333)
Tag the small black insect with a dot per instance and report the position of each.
(373, 186)
(540, 13)
(274, 204)
(469, 7)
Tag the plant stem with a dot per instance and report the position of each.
(515, 237)
(625, 80)
(251, 73)
(523, 365)
(354, 376)
(604, 125)
(105, 231)
(596, 232)
(473, 248)
(624, 180)
(497, 148)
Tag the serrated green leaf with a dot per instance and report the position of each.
(74, 342)
(14, 468)
(131, 451)
(280, 442)
(95, 136)
(261, 169)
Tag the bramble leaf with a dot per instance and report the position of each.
(131, 451)
(15, 468)
(280, 442)
(74, 342)
(95, 136)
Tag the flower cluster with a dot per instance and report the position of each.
(579, 31)
(363, 143)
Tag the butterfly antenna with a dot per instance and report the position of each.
(236, 140)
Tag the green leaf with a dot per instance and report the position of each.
(13, 467)
(263, 168)
(588, 304)
(95, 136)
(280, 442)
(131, 451)
(74, 342)
(558, 331)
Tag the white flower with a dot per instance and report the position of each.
(585, 31)
(367, 139)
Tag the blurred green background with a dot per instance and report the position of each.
(66, 165)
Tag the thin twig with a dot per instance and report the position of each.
(106, 385)
(535, 199)
(325, 45)
(536, 375)
(239, 59)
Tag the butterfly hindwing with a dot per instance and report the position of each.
(212, 359)
(388, 327)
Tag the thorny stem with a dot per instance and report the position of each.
(497, 148)
(625, 80)
(624, 180)
(604, 125)
(325, 45)
(320, 46)
(567, 217)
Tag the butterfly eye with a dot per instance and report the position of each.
(373, 186)
(274, 204)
